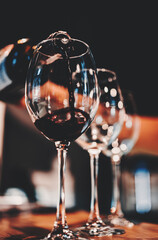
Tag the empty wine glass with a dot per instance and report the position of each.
(61, 107)
(122, 146)
(103, 130)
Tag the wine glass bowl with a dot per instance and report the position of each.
(109, 117)
(61, 107)
(53, 98)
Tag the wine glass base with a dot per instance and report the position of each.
(65, 234)
(98, 229)
(115, 220)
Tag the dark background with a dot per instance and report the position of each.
(123, 37)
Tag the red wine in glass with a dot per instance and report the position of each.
(61, 126)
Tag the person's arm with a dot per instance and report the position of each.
(147, 142)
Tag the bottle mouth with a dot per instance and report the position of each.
(22, 40)
(74, 48)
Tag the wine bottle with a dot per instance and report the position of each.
(14, 61)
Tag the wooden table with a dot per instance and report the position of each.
(39, 225)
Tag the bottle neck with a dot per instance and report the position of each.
(4, 79)
(14, 62)
(18, 60)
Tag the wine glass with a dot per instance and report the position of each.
(103, 130)
(122, 146)
(61, 107)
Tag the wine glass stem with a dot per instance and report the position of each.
(116, 203)
(60, 222)
(94, 206)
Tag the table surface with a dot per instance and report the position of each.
(39, 225)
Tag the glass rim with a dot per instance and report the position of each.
(99, 69)
(37, 49)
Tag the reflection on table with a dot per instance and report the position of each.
(39, 225)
